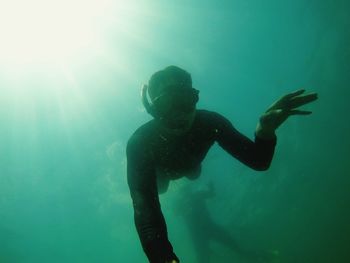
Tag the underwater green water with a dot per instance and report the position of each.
(63, 132)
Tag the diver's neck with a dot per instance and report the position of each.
(170, 134)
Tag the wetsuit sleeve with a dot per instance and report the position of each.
(256, 154)
(149, 220)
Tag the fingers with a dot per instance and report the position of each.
(293, 94)
(298, 101)
(285, 102)
(292, 101)
(299, 112)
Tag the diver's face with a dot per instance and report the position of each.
(179, 124)
(177, 109)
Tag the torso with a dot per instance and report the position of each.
(178, 156)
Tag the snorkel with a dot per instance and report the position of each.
(149, 108)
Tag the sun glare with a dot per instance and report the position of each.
(44, 31)
(49, 47)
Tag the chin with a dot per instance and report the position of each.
(183, 126)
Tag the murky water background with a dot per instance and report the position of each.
(63, 192)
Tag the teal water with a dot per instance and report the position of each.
(63, 132)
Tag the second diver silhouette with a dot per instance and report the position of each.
(192, 206)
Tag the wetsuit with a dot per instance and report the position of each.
(150, 151)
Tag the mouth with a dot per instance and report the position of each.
(179, 124)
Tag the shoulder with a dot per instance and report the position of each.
(215, 124)
(142, 137)
(208, 114)
(212, 118)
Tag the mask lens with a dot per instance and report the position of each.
(179, 101)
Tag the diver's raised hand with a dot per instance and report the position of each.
(279, 111)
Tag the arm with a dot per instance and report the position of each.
(149, 220)
(256, 154)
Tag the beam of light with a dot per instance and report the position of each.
(45, 46)
(47, 31)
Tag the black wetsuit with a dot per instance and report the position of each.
(148, 151)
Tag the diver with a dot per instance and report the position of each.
(174, 143)
(191, 204)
